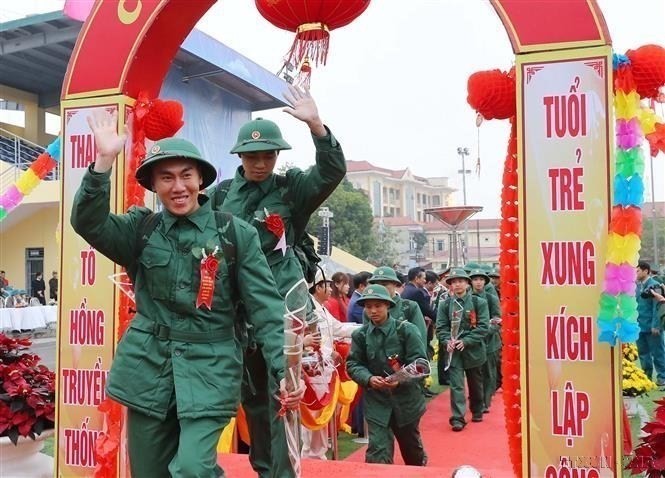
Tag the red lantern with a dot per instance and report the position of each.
(648, 66)
(312, 21)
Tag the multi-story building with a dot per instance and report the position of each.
(399, 200)
(399, 193)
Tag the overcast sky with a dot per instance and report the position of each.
(394, 88)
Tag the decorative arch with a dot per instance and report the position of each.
(126, 47)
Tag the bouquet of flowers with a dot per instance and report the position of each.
(27, 391)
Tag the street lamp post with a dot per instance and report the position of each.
(464, 152)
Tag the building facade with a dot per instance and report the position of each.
(399, 193)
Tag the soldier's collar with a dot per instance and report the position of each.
(199, 218)
(265, 186)
(386, 328)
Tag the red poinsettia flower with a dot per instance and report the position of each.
(27, 391)
(275, 224)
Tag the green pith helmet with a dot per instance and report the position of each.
(471, 266)
(494, 273)
(386, 274)
(458, 273)
(376, 291)
(259, 135)
(479, 273)
(174, 148)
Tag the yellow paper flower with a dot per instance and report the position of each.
(626, 105)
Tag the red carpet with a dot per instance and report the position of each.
(482, 445)
(237, 466)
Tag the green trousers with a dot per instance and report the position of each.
(489, 378)
(381, 445)
(474, 379)
(268, 452)
(185, 447)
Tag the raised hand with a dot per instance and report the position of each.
(304, 108)
(108, 142)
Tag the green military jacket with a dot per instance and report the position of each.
(303, 193)
(408, 310)
(475, 350)
(493, 337)
(370, 348)
(147, 369)
(490, 289)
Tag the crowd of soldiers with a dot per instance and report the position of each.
(211, 271)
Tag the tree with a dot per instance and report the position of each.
(352, 223)
(385, 246)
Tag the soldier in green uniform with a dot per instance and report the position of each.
(473, 266)
(466, 344)
(493, 338)
(177, 368)
(404, 309)
(392, 409)
(279, 208)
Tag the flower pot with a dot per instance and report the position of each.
(632, 406)
(25, 459)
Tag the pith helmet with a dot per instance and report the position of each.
(259, 135)
(471, 266)
(479, 273)
(378, 292)
(174, 148)
(386, 274)
(457, 273)
(494, 273)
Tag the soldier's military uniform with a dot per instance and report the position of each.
(404, 309)
(177, 368)
(492, 340)
(474, 315)
(391, 413)
(294, 197)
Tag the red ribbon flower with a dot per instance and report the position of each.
(275, 224)
(211, 264)
(473, 319)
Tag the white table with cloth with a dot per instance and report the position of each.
(32, 317)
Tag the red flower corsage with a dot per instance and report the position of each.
(394, 363)
(473, 319)
(275, 224)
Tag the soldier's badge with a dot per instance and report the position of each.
(256, 134)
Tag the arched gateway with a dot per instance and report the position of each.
(569, 395)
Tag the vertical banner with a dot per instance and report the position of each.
(88, 299)
(571, 396)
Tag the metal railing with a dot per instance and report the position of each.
(19, 153)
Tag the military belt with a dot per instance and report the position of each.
(164, 332)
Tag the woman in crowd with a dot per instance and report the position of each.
(338, 303)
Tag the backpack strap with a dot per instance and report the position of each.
(220, 193)
(146, 226)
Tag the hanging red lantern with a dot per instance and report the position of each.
(312, 21)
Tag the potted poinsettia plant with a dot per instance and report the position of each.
(27, 391)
